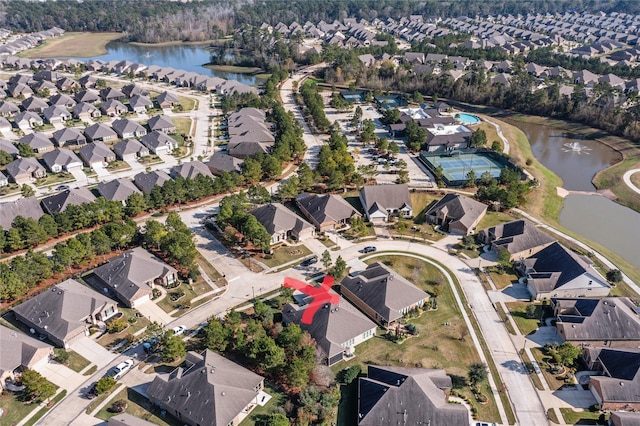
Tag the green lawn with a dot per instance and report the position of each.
(111, 339)
(190, 292)
(138, 406)
(551, 413)
(118, 166)
(580, 417)
(33, 420)
(348, 407)
(503, 280)
(552, 379)
(14, 410)
(420, 201)
(494, 218)
(54, 179)
(437, 345)
(284, 254)
(526, 324)
(187, 103)
(91, 371)
(534, 377)
(278, 399)
(183, 125)
(77, 362)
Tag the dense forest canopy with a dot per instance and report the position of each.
(155, 21)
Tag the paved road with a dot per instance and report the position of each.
(627, 180)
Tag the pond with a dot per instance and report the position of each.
(572, 157)
(182, 57)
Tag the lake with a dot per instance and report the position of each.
(182, 57)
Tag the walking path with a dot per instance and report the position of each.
(627, 179)
(505, 142)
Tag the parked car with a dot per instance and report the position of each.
(91, 391)
(368, 249)
(178, 330)
(310, 261)
(118, 371)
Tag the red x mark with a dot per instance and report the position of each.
(320, 295)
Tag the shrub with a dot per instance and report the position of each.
(105, 385)
(412, 329)
(60, 355)
(119, 406)
(117, 325)
(349, 374)
(595, 408)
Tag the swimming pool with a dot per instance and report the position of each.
(465, 118)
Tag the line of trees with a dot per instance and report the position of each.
(315, 105)
(233, 212)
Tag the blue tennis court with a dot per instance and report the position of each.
(456, 166)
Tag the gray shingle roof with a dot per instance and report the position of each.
(18, 349)
(191, 169)
(8, 147)
(156, 139)
(220, 162)
(60, 201)
(127, 126)
(60, 156)
(63, 309)
(213, 391)
(384, 291)
(130, 146)
(160, 122)
(385, 196)
(36, 141)
(117, 189)
(460, 209)
(325, 208)
(23, 166)
(624, 418)
(517, 236)
(621, 380)
(146, 181)
(96, 152)
(99, 131)
(126, 419)
(397, 395)
(276, 218)
(69, 134)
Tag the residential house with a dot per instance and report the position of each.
(65, 311)
(85, 111)
(130, 150)
(617, 387)
(336, 328)
(147, 181)
(59, 202)
(19, 89)
(167, 100)
(62, 100)
(457, 214)
(19, 352)
(88, 96)
(381, 202)
(211, 390)
(282, 224)
(61, 159)
(128, 129)
(113, 108)
(25, 170)
(96, 154)
(27, 120)
(191, 169)
(4, 180)
(132, 276)
(556, 271)
(56, 114)
(8, 147)
(131, 90)
(38, 142)
(624, 418)
(326, 212)
(407, 396)
(140, 104)
(8, 109)
(111, 93)
(381, 294)
(159, 143)
(5, 125)
(609, 321)
(68, 136)
(161, 123)
(117, 189)
(99, 132)
(33, 104)
(220, 163)
(520, 238)
(66, 84)
(26, 207)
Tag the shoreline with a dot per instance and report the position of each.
(171, 43)
(235, 69)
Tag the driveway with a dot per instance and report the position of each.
(101, 172)
(153, 312)
(92, 351)
(80, 177)
(545, 335)
(62, 376)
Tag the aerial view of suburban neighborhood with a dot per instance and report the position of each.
(319, 212)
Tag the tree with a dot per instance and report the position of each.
(136, 204)
(394, 149)
(568, 354)
(471, 179)
(504, 258)
(266, 353)
(263, 312)
(276, 419)
(5, 158)
(614, 276)
(382, 144)
(214, 335)
(105, 384)
(173, 347)
(326, 259)
(27, 190)
(477, 373)
(339, 268)
(478, 138)
(258, 194)
(288, 189)
(349, 374)
(496, 146)
(37, 387)
(25, 150)
(305, 177)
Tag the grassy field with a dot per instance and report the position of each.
(579, 417)
(187, 103)
(82, 45)
(183, 125)
(14, 410)
(552, 379)
(490, 130)
(283, 255)
(420, 201)
(33, 420)
(494, 218)
(110, 339)
(534, 377)
(503, 280)
(437, 345)
(526, 324)
(190, 292)
(77, 362)
(138, 406)
(635, 179)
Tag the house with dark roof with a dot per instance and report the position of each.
(336, 328)
(128, 129)
(167, 100)
(65, 311)
(28, 120)
(381, 294)
(159, 143)
(520, 238)
(442, 137)
(381, 202)
(113, 108)
(85, 111)
(617, 387)
(211, 390)
(25, 170)
(111, 93)
(132, 276)
(88, 96)
(37, 141)
(161, 123)
(96, 153)
(140, 104)
(36, 105)
(8, 109)
(609, 321)
(68, 136)
(99, 132)
(19, 352)
(147, 181)
(70, 197)
(556, 271)
(56, 114)
(624, 418)
(326, 212)
(8, 147)
(131, 90)
(4, 180)
(220, 163)
(130, 150)
(26, 207)
(61, 159)
(117, 190)
(191, 169)
(62, 100)
(407, 396)
(282, 224)
(457, 214)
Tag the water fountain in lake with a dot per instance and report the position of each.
(575, 147)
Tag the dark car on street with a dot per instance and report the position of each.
(310, 261)
(368, 249)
